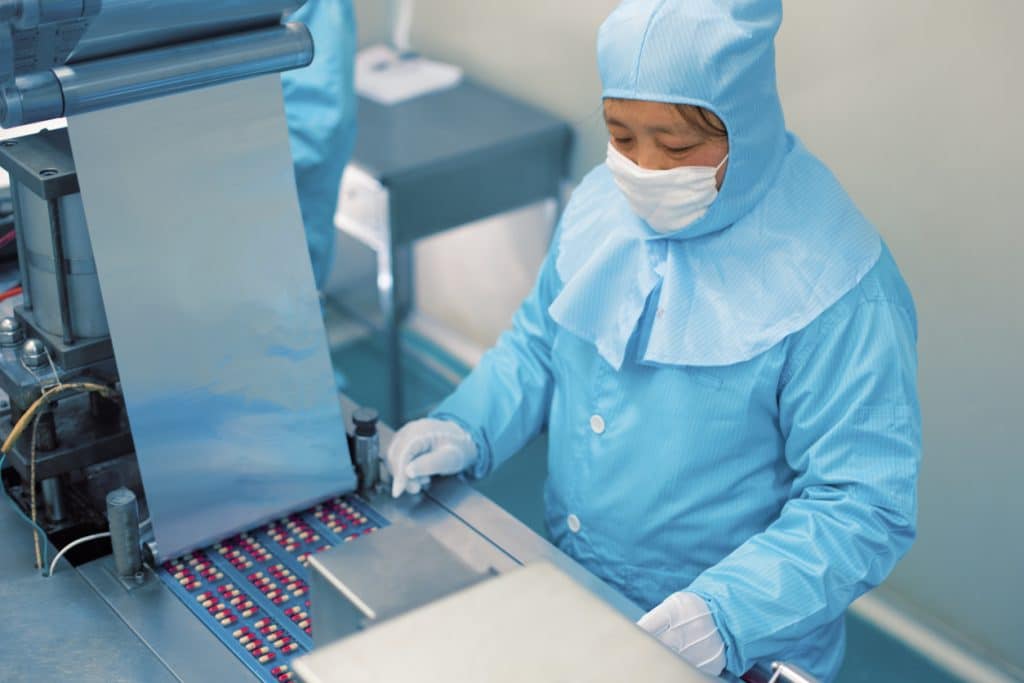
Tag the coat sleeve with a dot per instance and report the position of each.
(505, 401)
(320, 103)
(849, 413)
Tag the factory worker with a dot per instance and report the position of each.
(722, 350)
(320, 103)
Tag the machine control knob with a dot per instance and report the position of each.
(11, 332)
(365, 420)
(367, 449)
(33, 352)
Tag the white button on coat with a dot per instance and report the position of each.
(597, 424)
(574, 523)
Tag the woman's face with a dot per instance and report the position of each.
(656, 136)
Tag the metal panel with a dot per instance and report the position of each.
(159, 621)
(58, 629)
(533, 624)
(357, 584)
(215, 321)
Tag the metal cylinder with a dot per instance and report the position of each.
(123, 518)
(84, 301)
(155, 73)
(46, 430)
(122, 26)
(367, 446)
(53, 497)
(9, 9)
(32, 97)
(51, 11)
(133, 77)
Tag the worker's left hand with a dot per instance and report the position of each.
(683, 621)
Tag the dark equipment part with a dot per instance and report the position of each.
(59, 335)
(9, 250)
(366, 454)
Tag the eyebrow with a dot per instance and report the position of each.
(668, 131)
(650, 129)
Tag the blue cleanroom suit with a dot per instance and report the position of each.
(320, 103)
(732, 408)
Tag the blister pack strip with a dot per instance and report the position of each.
(252, 590)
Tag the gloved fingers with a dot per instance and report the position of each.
(408, 443)
(398, 483)
(657, 621)
(446, 459)
(416, 485)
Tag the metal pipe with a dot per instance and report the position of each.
(9, 9)
(78, 89)
(122, 26)
(60, 269)
(29, 98)
(164, 71)
(103, 83)
(19, 239)
(54, 499)
(126, 24)
(123, 518)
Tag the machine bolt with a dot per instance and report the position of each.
(11, 332)
(33, 352)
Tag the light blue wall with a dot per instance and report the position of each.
(917, 107)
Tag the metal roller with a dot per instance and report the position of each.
(129, 25)
(103, 83)
(120, 25)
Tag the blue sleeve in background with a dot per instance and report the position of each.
(320, 103)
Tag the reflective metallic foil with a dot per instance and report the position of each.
(197, 236)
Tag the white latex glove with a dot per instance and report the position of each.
(684, 623)
(424, 448)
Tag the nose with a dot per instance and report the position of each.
(648, 157)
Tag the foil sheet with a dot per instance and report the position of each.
(216, 325)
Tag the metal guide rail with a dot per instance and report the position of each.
(252, 590)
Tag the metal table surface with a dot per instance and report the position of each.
(84, 624)
(59, 629)
(455, 156)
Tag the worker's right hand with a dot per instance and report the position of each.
(425, 448)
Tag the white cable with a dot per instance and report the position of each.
(69, 546)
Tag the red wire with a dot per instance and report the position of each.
(6, 239)
(13, 291)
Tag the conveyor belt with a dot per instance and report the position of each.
(252, 591)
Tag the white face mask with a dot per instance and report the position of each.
(668, 200)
